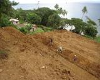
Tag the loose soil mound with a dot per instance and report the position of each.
(35, 57)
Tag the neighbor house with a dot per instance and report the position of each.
(69, 27)
(14, 21)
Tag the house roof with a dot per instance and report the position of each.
(16, 20)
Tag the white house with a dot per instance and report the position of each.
(14, 21)
(69, 27)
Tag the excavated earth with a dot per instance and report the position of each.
(34, 57)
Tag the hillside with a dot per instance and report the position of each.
(32, 57)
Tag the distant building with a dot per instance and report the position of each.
(14, 21)
(69, 27)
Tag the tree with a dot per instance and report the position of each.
(84, 10)
(56, 6)
(5, 10)
(21, 14)
(6, 6)
(44, 13)
(4, 21)
(54, 21)
(60, 10)
(99, 21)
(33, 18)
(64, 12)
(62, 22)
(79, 25)
(90, 21)
(91, 29)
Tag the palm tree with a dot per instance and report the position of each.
(60, 10)
(90, 21)
(64, 12)
(84, 10)
(56, 6)
(99, 21)
(38, 4)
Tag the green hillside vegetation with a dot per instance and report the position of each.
(97, 39)
(47, 19)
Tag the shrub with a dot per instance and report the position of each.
(88, 37)
(23, 30)
(46, 29)
(3, 54)
(4, 21)
(26, 29)
(91, 31)
(97, 39)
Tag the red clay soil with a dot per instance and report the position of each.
(33, 57)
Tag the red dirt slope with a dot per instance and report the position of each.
(31, 57)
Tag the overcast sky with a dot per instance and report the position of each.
(53, 1)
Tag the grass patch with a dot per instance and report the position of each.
(45, 28)
(26, 29)
(97, 39)
(88, 37)
(3, 54)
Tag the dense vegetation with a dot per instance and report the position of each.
(6, 11)
(47, 19)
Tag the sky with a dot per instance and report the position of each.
(53, 1)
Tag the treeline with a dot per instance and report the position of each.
(41, 16)
(46, 17)
(88, 28)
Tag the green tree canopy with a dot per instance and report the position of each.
(90, 30)
(54, 20)
(21, 14)
(44, 13)
(4, 21)
(33, 18)
(6, 6)
(79, 25)
(5, 11)
(90, 21)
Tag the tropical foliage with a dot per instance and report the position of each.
(5, 12)
(47, 17)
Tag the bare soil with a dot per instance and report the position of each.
(34, 57)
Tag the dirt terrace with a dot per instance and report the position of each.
(32, 57)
